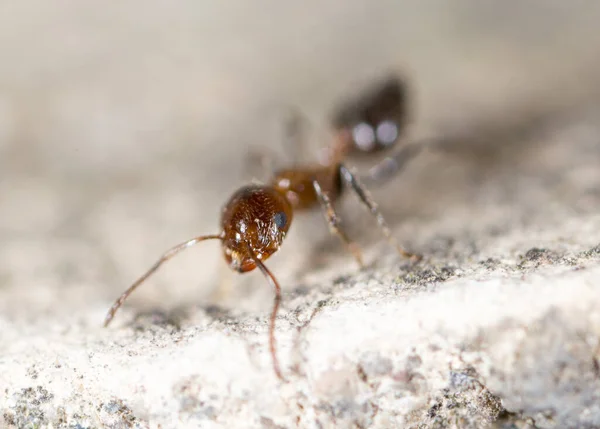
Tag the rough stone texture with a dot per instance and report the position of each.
(124, 127)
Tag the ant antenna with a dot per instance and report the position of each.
(164, 258)
(276, 302)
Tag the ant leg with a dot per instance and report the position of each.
(335, 224)
(351, 179)
(396, 162)
(392, 165)
(295, 128)
(259, 164)
(276, 303)
(164, 258)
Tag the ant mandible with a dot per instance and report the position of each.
(257, 217)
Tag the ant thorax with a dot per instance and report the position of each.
(297, 184)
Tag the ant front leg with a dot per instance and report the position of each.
(350, 178)
(334, 222)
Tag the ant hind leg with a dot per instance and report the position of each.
(389, 167)
(350, 178)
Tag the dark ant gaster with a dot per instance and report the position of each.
(256, 218)
(369, 123)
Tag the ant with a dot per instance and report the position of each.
(257, 217)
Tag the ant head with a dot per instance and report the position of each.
(255, 222)
(374, 120)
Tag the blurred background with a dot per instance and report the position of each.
(124, 127)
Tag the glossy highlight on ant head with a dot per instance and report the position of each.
(374, 120)
(255, 221)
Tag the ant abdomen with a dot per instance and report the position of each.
(374, 120)
(255, 221)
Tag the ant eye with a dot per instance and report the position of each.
(364, 136)
(280, 220)
(387, 132)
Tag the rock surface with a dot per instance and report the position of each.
(120, 137)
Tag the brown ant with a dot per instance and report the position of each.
(256, 218)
